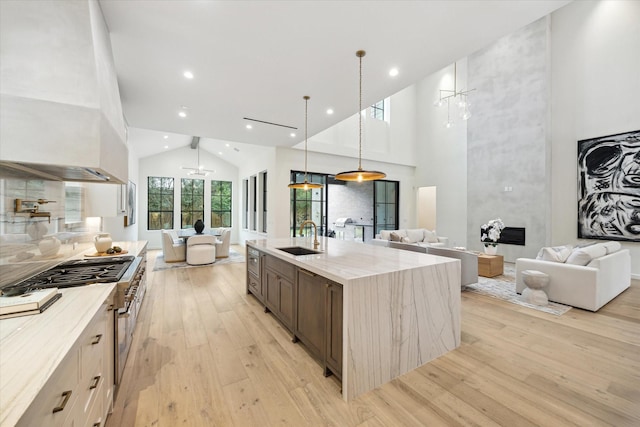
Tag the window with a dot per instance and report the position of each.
(245, 203)
(220, 203)
(263, 184)
(377, 110)
(254, 206)
(309, 204)
(72, 202)
(192, 202)
(386, 202)
(160, 203)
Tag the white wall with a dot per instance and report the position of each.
(391, 141)
(595, 78)
(168, 164)
(442, 154)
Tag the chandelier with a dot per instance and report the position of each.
(360, 174)
(447, 96)
(199, 170)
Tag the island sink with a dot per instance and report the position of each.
(298, 250)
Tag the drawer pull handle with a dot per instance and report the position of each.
(96, 380)
(66, 395)
(308, 273)
(97, 339)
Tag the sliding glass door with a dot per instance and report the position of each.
(308, 204)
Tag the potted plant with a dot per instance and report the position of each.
(490, 235)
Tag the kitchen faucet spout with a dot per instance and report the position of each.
(315, 229)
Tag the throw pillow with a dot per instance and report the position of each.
(415, 235)
(583, 256)
(406, 240)
(395, 237)
(612, 247)
(430, 236)
(385, 234)
(556, 253)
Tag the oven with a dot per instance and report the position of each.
(129, 295)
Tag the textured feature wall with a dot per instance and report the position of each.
(507, 138)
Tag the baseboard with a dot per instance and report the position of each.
(635, 276)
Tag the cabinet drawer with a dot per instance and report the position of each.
(93, 342)
(59, 394)
(95, 410)
(283, 268)
(255, 285)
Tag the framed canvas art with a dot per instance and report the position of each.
(609, 187)
(131, 205)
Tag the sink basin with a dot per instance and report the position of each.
(298, 250)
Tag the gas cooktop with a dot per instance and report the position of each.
(74, 273)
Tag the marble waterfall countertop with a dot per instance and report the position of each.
(32, 347)
(401, 309)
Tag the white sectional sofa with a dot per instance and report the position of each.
(415, 236)
(585, 277)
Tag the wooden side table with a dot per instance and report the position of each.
(490, 265)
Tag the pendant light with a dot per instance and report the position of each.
(306, 185)
(360, 174)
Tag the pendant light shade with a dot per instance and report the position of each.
(305, 185)
(360, 174)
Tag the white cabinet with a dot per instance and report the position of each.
(80, 391)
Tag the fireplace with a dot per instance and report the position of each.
(512, 236)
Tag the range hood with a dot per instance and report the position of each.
(60, 104)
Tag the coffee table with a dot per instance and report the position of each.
(490, 265)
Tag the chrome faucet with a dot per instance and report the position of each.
(315, 228)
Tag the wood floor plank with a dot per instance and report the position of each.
(206, 354)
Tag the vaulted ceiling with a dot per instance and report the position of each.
(257, 59)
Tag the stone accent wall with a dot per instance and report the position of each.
(507, 137)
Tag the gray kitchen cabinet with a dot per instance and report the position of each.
(255, 260)
(333, 331)
(279, 278)
(310, 318)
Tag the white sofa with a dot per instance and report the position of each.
(468, 260)
(588, 278)
(412, 236)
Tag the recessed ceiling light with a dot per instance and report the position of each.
(226, 145)
(166, 146)
(182, 114)
(188, 74)
(166, 137)
(220, 152)
(249, 127)
(393, 72)
(330, 111)
(293, 135)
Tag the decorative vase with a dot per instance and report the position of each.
(491, 249)
(49, 246)
(102, 242)
(199, 226)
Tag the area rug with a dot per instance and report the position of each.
(160, 264)
(504, 287)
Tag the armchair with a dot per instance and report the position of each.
(222, 243)
(201, 249)
(172, 250)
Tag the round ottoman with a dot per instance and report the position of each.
(535, 280)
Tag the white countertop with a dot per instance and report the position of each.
(341, 260)
(32, 347)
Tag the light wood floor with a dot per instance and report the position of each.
(205, 354)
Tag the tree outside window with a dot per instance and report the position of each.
(221, 204)
(160, 203)
(192, 202)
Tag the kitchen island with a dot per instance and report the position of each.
(399, 309)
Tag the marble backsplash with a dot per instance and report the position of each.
(28, 244)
